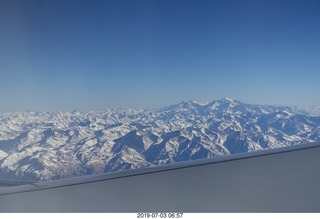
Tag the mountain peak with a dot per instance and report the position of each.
(224, 99)
(228, 99)
(121, 139)
(191, 102)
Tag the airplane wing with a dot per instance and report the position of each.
(277, 180)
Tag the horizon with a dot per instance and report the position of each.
(205, 103)
(96, 55)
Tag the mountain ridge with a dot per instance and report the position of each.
(55, 145)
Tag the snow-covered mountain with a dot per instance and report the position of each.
(54, 145)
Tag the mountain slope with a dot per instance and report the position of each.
(54, 145)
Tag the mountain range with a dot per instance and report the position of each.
(42, 146)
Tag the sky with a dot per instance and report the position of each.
(93, 55)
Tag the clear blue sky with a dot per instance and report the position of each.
(91, 55)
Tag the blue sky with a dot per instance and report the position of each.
(92, 55)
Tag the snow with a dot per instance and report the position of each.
(51, 145)
(3, 154)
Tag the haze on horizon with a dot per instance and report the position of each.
(93, 55)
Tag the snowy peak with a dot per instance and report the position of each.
(54, 145)
(186, 104)
(191, 106)
(224, 105)
(229, 100)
